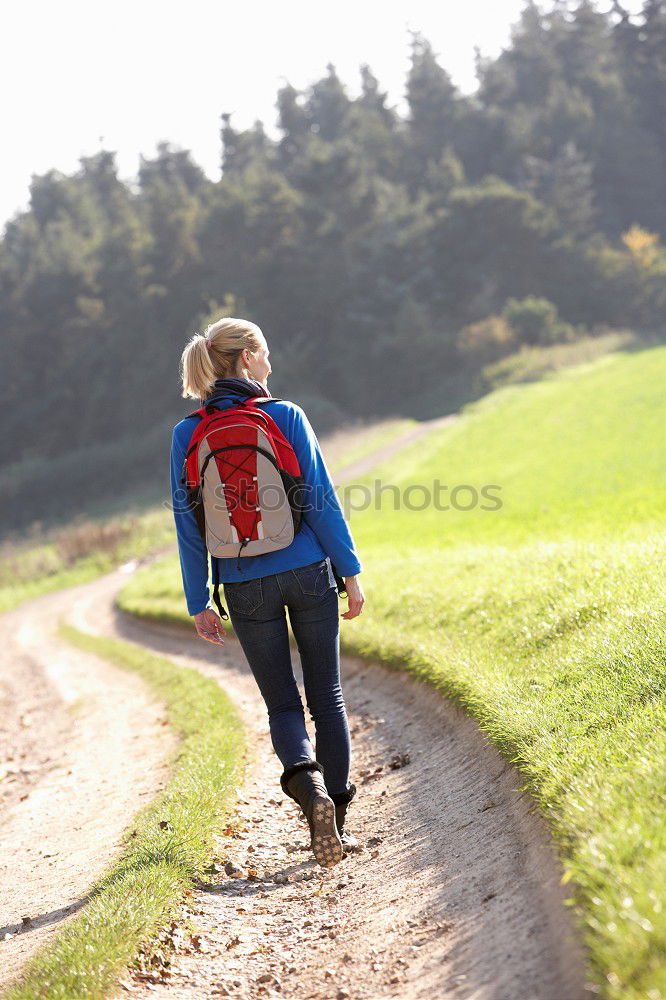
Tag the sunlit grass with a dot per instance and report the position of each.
(579, 455)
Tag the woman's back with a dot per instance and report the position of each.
(324, 531)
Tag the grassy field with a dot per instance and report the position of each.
(545, 618)
(167, 846)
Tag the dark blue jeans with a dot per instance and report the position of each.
(257, 612)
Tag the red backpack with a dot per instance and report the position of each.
(243, 480)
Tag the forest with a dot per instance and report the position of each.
(387, 259)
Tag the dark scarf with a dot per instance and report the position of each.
(225, 387)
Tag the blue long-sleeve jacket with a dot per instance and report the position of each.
(324, 530)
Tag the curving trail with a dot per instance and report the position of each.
(82, 748)
(399, 443)
(456, 892)
(455, 895)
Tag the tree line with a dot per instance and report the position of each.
(381, 255)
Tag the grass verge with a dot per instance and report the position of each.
(169, 843)
(558, 649)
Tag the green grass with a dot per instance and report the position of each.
(144, 887)
(545, 619)
(580, 455)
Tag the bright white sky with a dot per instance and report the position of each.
(77, 76)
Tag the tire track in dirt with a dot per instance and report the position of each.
(406, 439)
(456, 893)
(83, 748)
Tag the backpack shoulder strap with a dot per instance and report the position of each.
(251, 400)
(215, 579)
(205, 411)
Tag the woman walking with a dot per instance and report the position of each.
(224, 367)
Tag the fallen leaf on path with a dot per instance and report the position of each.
(233, 870)
(399, 760)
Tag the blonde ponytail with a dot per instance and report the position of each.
(198, 373)
(215, 355)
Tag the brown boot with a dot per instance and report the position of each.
(304, 783)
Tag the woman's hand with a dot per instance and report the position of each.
(355, 597)
(209, 626)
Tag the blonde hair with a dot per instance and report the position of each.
(215, 354)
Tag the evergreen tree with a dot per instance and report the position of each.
(433, 110)
(294, 123)
(566, 185)
(327, 107)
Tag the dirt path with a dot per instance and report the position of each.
(82, 749)
(456, 893)
(406, 439)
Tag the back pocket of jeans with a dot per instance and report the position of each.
(245, 597)
(314, 579)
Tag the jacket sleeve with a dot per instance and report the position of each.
(325, 515)
(191, 548)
